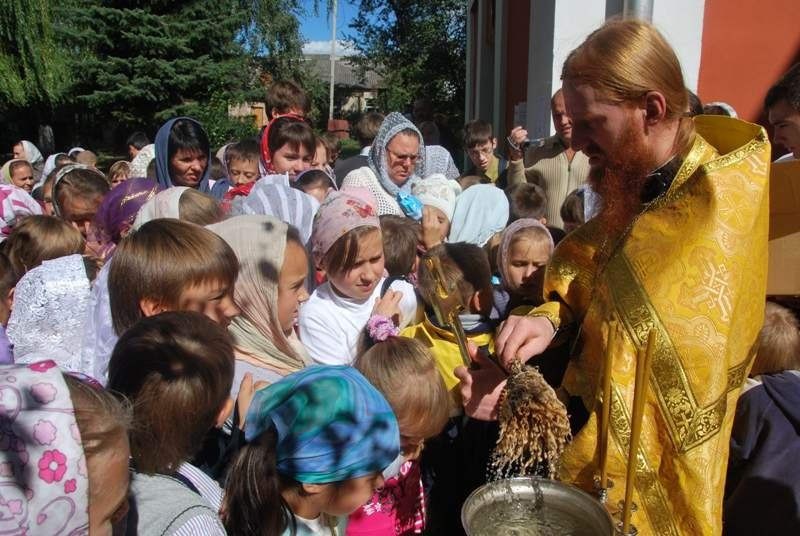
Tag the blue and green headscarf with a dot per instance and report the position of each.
(331, 424)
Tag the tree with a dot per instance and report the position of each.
(34, 68)
(418, 47)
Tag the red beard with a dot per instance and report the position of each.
(620, 182)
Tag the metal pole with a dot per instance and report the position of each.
(333, 61)
(638, 9)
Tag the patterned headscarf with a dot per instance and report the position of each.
(481, 211)
(285, 203)
(260, 245)
(142, 160)
(392, 125)
(44, 478)
(55, 298)
(338, 215)
(439, 160)
(508, 236)
(331, 423)
(162, 157)
(119, 209)
(15, 203)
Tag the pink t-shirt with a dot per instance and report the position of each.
(397, 508)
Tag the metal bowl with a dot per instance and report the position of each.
(537, 506)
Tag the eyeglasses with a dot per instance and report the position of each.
(478, 151)
(412, 158)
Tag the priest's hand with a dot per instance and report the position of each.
(522, 337)
(480, 387)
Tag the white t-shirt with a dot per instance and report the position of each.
(330, 324)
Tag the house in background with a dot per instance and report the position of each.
(730, 51)
(352, 93)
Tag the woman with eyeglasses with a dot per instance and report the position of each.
(395, 162)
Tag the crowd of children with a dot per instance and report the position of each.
(260, 350)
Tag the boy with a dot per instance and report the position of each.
(528, 200)
(284, 97)
(480, 144)
(241, 161)
(171, 265)
(400, 239)
(455, 461)
(762, 488)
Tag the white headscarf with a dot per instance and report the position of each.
(32, 153)
(481, 211)
(142, 160)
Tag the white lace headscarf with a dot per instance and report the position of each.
(51, 309)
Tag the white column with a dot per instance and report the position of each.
(681, 22)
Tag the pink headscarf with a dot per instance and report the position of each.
(339, 214)
(14, 204)
(505, 243)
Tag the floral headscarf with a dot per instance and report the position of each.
(338, 215)
(15, 203)
(392, 125)
(43, 475)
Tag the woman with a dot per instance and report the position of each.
(396, 161)
(182, 155)
(76, 195)
(26, 150)
(273, 267)
(117, 212)
(19, 173)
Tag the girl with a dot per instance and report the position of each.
(77, 193)
(64, 452)
(525, 249)
(273, 267)
(403, 370)
(182, 153)
(346, 243)
(481, 212)
(318, 441)
(51, 307)
(40, 238)
(115, 217)
(176, 370)
(180, 203)
(316, 183)
(119, 172)
(287, 204)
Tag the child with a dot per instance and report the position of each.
(176, 370)
(241, 161)
(481, 213)
(77, 193)
(572, 211)
(528, 200)
(8, 280)
(170, 265)
(287, 204)
(480, 144)
(346, 243)
(763, 475)
(320, 160)
(51, 308)
(64, 453)
(315, 182)
(404, 371)
(438, 195)
(41, 238)
(180, 203)
(456, 460)
(318, 441)
(118, 173)
(19, 173)
(333, 145)
(401, 237)
(284, 97)
(273, 266)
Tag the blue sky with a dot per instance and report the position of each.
(317, 30)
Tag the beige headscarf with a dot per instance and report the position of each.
(260, 243)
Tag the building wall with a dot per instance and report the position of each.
(746, 48)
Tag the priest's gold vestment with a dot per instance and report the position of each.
(693, 268)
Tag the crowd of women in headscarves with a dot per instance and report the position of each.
(196, 351)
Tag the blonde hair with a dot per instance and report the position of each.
(404, 371)
(117, 169)
(159, 261)
(199, 208)
(625, 59)
(41, 238)
(778, 342)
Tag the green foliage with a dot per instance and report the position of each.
(418, 47)
(220, 127)
(33, 66)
